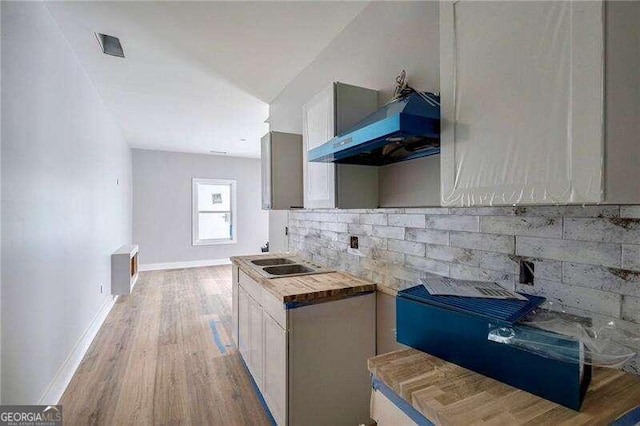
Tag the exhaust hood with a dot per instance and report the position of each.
(404, 129)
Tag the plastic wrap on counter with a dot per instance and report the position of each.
(605, 346)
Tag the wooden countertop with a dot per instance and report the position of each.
(448, 394)
(305, 288)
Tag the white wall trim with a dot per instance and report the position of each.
(61, 380)
(188, 264)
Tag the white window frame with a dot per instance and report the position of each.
(194, 209)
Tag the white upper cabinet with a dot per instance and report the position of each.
(522, 102)
(281, 160)
(329, 113)
(318, 126)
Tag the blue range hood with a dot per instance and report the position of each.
(402, 130)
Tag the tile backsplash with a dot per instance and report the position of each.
(586, 258)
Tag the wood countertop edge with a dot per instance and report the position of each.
(364, 286)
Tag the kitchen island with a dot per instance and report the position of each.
(305, 338)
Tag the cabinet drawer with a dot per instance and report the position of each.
(253, 288)
(275, 308)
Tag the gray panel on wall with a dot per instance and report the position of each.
(622, 101)
(414, 183)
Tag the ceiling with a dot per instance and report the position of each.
(198, 76)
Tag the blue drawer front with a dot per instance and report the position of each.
(461, 338)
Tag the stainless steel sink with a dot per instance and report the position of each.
(288, 269)
(278, 267)
(273, 261)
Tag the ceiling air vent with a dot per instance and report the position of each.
(110, 45)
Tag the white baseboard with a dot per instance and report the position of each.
(188, 264)
(61, 380)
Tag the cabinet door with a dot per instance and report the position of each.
(275, 368)
(243, 324)
(256, 342)
(522, 102)
(386, 413)
(234, 303)
(318, 126)
(265, 161)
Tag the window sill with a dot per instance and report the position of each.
(213, 242)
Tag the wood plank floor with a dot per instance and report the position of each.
(154, 361)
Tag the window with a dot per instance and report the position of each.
(214, 211)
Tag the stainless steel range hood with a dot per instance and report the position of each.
(402, 130)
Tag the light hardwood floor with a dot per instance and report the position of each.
(154, 361)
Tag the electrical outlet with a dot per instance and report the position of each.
(353, 242)
(526, 272)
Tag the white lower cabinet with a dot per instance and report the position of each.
(256, 341)
(310, 363)
(386, 413)
(234, 303)
(243, 324)
(275, 368)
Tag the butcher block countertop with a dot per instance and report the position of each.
(448, 394)
(312, 288)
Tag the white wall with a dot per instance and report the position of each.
(278, 241)
(384, 39)
(66, 200)
(162, 205)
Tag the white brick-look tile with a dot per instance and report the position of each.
(631, 257)
(481, 211)
(543, 268)
(587, 299)
(373, 219)
(412, 220)
(453, 223)
(607, 254)
(433, 236)
(568, 211)
(499, 261)
(631, 308)
(329, 235)
(427, 265)
(586, 258)
(602, 278)
(387, 256)
(405, 273)
(429, 210)
(394, 232)
(617, 230)
(372, 242)
(547, 269)
(333, 226)
(548, 227)
(488, 242)
(408, 247)
(357, 229)
(348, 217)
(632, 212)
(542, 211)
(452, 254)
